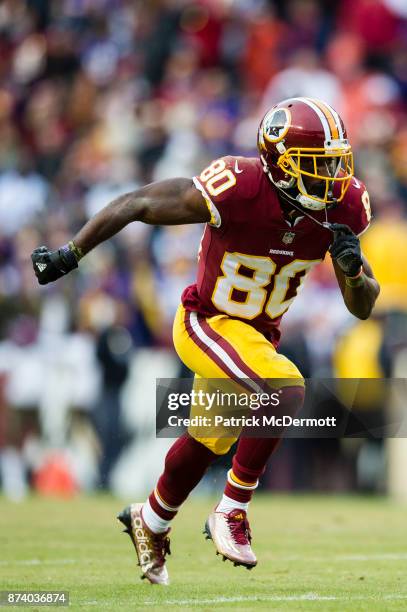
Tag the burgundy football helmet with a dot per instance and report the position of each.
(305, 152)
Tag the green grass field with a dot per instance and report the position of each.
(315, 553)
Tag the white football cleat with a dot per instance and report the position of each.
(231, 535)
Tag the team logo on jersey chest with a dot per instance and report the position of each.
(288, 237)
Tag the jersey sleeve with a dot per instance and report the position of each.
(225, 184)
(358, 205)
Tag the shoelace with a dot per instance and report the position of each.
(161, 547)
(240, 530)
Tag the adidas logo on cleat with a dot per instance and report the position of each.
(41, 266)
(142, 543)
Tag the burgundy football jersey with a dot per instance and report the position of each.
(252, 262)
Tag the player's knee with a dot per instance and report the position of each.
(288, 377)
(281, 367)
(219, 446)
(291, 399)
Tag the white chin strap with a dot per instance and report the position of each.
(304, 200)
(307, 201)
(310, 203)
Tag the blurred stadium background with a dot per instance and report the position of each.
(98, 97)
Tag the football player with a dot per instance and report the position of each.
(269, 221)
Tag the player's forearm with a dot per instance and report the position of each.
(105, 224)
(108, 222)
(361, 298)
(170, 202)
(359, 292)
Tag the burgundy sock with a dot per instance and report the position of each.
(185, 464)
(252, 454)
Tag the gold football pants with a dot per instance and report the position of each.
(221, 347)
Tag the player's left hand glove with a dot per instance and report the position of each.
(345, 249)
(51, 265)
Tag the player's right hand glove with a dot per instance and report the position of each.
(51, 265)
(345, 249)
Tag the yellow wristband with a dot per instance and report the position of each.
(75, 250)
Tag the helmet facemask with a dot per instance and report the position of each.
(316, 172)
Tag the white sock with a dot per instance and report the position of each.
(154, 522)
(227, 504)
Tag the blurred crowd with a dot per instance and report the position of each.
(98, 97)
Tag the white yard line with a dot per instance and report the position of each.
(373, 557)
(350, 557)
(275, 598)
(4, 562)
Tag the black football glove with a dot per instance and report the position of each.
(51, 265)
(345, 249)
